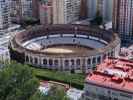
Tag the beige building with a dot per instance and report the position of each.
(45, 14)
(65, 11)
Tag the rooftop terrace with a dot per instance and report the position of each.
(115, 74)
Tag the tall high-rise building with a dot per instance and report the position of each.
(15, 10)
(4, 14)
(20, 9)
(35, 8)
(65, 11)
(92, 9)
(83, 9)
(123, 19)
(45, 12)
(103, 7)
(26, 8)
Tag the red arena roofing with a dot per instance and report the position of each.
(115, 74)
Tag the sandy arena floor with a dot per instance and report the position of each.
(66, 49)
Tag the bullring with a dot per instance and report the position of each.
(76, 48)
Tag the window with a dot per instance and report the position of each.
(66, 62)
(99, 59)
(89, 61)
(125, 95)
(45, 61)
(50, 62)
(94, 60)
(56, 62)
(31, 59)
(36, 60)
(72, 62)
(27, 58)
(78, 62)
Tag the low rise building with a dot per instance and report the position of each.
(112, 80)
(126, 53)
(44, 87)
(74, 94)
(4, 55)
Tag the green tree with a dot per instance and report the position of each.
(17, 82)
(57, 93)
(98, 20)
(39, 96)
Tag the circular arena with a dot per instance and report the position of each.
(74, 48)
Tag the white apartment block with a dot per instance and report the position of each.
(26, 8)
(20, 9)
(4, 54)
(4, 14)
(65, 11)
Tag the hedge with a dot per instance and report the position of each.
(75, 80)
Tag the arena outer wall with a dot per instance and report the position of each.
(80, 62)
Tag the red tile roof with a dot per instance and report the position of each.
(114, 74)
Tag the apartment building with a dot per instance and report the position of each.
(20, 9)
(4, 14)
(123, 20)
(103, 7)
(45, 13)
(65, 11)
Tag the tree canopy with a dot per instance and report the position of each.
(17, 82)
(98, 20)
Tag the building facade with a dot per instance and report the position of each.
(4, 55)
(35, 8)
(92, 9)
(83, 9)
(65, 11)
(127, 53)
(45, 13)
(103, 7)
(111, 81)
(4, 14)
(123, 19)
(20, 9)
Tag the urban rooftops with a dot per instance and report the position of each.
(115, 74)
